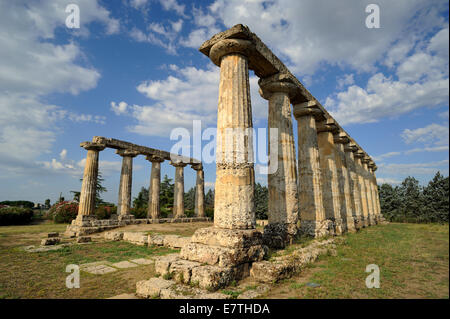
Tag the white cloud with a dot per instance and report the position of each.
(430, 134)
(173, 5)
(345, 80)
(386, 155)
(32, 67)
(428, 149)
(137, 4)
(63, 154)
(192, 94)
(393, 181)
(413, 169)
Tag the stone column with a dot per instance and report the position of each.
(126, 178)
(199, 190)
(233, 242)
(178, 195)
(154, 188)
(282, 181)
(375, 198)
(89, 185)
(312, 215)
(347, 203)
(330, 183)
(350, 149)
(362, 188)
(235, 176)
(365, 162)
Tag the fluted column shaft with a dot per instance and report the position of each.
(154, 188)
(88, 192)
(199, 191)
(282, 183)
(235, 176)
(178, 196)
(354, 184)
(312, 215)
(375, 198)
(368, 184)
(126, 180)
(362, 190)
(347, 204)
(330, 183)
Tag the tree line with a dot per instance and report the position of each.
(413, 203)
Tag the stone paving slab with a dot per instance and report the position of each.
(142, 261)
(95, 263)
(124, 264)
(99, 269)
(34, 249)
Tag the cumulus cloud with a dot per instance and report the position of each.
(191, 94)
(430, 134)
(413, 169)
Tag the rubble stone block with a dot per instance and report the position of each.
(157, 240)
(152, 288)
(50, 241)
(136, 238)
(212, 277)
(182, 270)
(113, 235)
(84, 239)
(53, 234)
(163, 263)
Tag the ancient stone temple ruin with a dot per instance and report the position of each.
(328, 188)
(87, 223)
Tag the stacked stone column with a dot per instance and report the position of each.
(178, 196)
(126, 180)
(154, 188)
(376, 199)
(89, 186)
(359, 155)
(350, 149)
(199, 190)
(330, 179)
(312, 216)
(368, 183)
(233, 242)
(345, 189)
(282, 182)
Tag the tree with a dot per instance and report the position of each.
(436, 198)
(209, 199)
(141, 201)
(99, 190)
(411, 194)
(166, 192)
(47, 203)
(390, 201)
(261, 201)
(189, 199)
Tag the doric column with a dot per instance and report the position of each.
(199, 190)
(367, 181)
(154, 188)
(350, 149)
(126, 179)
(178, 195)
(375, 198)
(312, 215)
(330, 183)
(89, 185)
(347, 203)
(282, 175)
(362, 188)
(235, 175)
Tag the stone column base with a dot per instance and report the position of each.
(372, 220)
(278, 235)
(351, 224)
(358, 222)
(125, 219)
(339, 226)
(316, 229)
(224, 247)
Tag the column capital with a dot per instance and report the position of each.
(154, 158)
(366, 160)
(197, 166)
(359, 154)
(92, 146)
(310, 108)
(229, 46)
(329, 125)
(351, 147)
(277, 83)
(341, 137)
(127, 153)
(177, 164)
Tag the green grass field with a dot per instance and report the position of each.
(413, 261)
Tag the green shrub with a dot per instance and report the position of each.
(65, 212)
(189, 212)
(105, 211)
(165, 212)
(15, 216)
(140, 212)
(209, 212)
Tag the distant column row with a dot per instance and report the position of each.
(88, 188)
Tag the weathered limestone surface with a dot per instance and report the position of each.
(370, 208)
(330, 184)
(88, 187)
(362, 188)
(312, 215)
(126, 176)
(178, 196)
(199, 191)
(282, 184)
(152, 288)
(350, 149)
(346, 194)
(155, 183)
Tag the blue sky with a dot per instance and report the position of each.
(133, 72)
